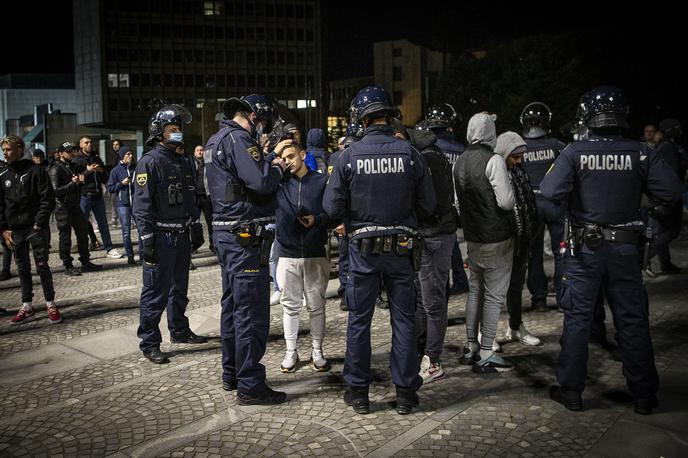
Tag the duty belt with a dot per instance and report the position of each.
(612, 234)
(369, 229)
(172, 227)
(232, 224)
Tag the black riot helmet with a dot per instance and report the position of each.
(259, 104)
(440, 116)
(671, 128)
(372, 102)
(168, 114)
(355, 130)
(535, 119)
(604, 106)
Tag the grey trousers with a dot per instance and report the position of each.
(490, 266)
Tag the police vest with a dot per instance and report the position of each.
(539, 157)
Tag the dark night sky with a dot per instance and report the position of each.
(653, 44)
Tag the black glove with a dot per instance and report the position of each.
(197, 239)
(150, 254)
(659, 212)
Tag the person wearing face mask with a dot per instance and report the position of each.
(164, 207)
(303, 268)
(121, 184)
(242, 183)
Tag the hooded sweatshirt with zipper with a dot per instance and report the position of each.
(316, 144)
(298, 197)
(119, 173)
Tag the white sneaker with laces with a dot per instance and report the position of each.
(114, 253)
(424, 364)
(318, 361)
(522, 335)
(289, 362)
(495, 345)
(433, 372)
(275, 297)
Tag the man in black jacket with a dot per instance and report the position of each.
(203, 202)
(26, 201)
(66, 185)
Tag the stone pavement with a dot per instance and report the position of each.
(82, 388)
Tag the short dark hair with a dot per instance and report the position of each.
(38, 153)
(121, 143)
(85, 136)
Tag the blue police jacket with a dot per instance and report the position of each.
(240, 181)
(115, 186)
(379, 181)
(449, 145)
(603, 178)
(297, 197)
(539, 158)
(163, 197)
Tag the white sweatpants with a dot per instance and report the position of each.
(301, 278)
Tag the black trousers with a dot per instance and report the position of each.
(68, 219)
(24, 241)
(205, 206)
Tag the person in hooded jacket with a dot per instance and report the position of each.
(121, 184)
(316, 146)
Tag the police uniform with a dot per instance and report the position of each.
(602, 179)
(242, 185)
(374, 187)
(164, 208)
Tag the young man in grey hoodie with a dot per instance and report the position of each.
(486, 201)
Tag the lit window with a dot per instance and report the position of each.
(124, 80)
(300, 104)
(291, 104)
(112, 79)
(212, 8)
(313, 103)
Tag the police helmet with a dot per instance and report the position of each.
(259, 104)
(604, 106)
(355, 130)
(671, 128)
(372, 101)
(440, 116)
(421, 125)
(168, 114)
(535, 119)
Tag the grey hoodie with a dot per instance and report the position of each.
(510, 143)
(481, 129)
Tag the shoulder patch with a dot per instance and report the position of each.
(329, 169)
(253, 151)
(141, 179)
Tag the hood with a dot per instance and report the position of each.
(316, 139)
(510, 143)
(421, 139)
(481, 129)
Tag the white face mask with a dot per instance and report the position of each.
(176, 138)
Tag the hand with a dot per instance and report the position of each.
(307, 221)
(283, 144)
(278, 161)
(340, 230)
(75, 179)
(9, 241)
(126, 181)
(197, 239)
(150, 254)
(91, 167)
(82, 178)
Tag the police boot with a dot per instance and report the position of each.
(156, 356)
(266, 397)
(358, 399)
(407, 399)
(229, 385)
(571, 399)
(343, 306)
(644, 406)
(189, 337)
(90, 267)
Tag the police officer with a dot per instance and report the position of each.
(166, 215)
(242, 183)
(542, 150)
(602, 178)
(374, 188)
(439, 119)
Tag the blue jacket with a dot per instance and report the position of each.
(539, 158)
(379, 181)
(302, 197)
(449, 145)
(115, 186)
(240, 181)
(316, 146)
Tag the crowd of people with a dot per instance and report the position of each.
(395, 197)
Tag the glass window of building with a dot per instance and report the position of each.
(112, 80)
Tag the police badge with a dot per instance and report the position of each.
(141, 179)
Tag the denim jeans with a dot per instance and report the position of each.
(97, 206)
(124, 214)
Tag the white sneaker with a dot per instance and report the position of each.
(275, 297)
(433, 372)
(424, 364)
(522, 335)
(289, 362)
(114, 253)
(495, 346)
(318, 361)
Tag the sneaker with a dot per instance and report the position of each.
(53, 313)
(114, 253)
(266, 397)
(90, 267)
(24, 315)
(522, 335)
(406, 401)
(131, 260)
(470, 357)
(289, 362)
(433, 372)
(5, 275)
(72, 271)
(649, 272)
(318, 361)
(343, 306)
(275, 297)
(424, 363)
(93, 246)
(570, 399)
(358, 399)
(493, 364)
(644, 406)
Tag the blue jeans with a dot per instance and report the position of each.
(124, 214)
(97, 206)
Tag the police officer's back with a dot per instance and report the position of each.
(374, 187)
(602, 179)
